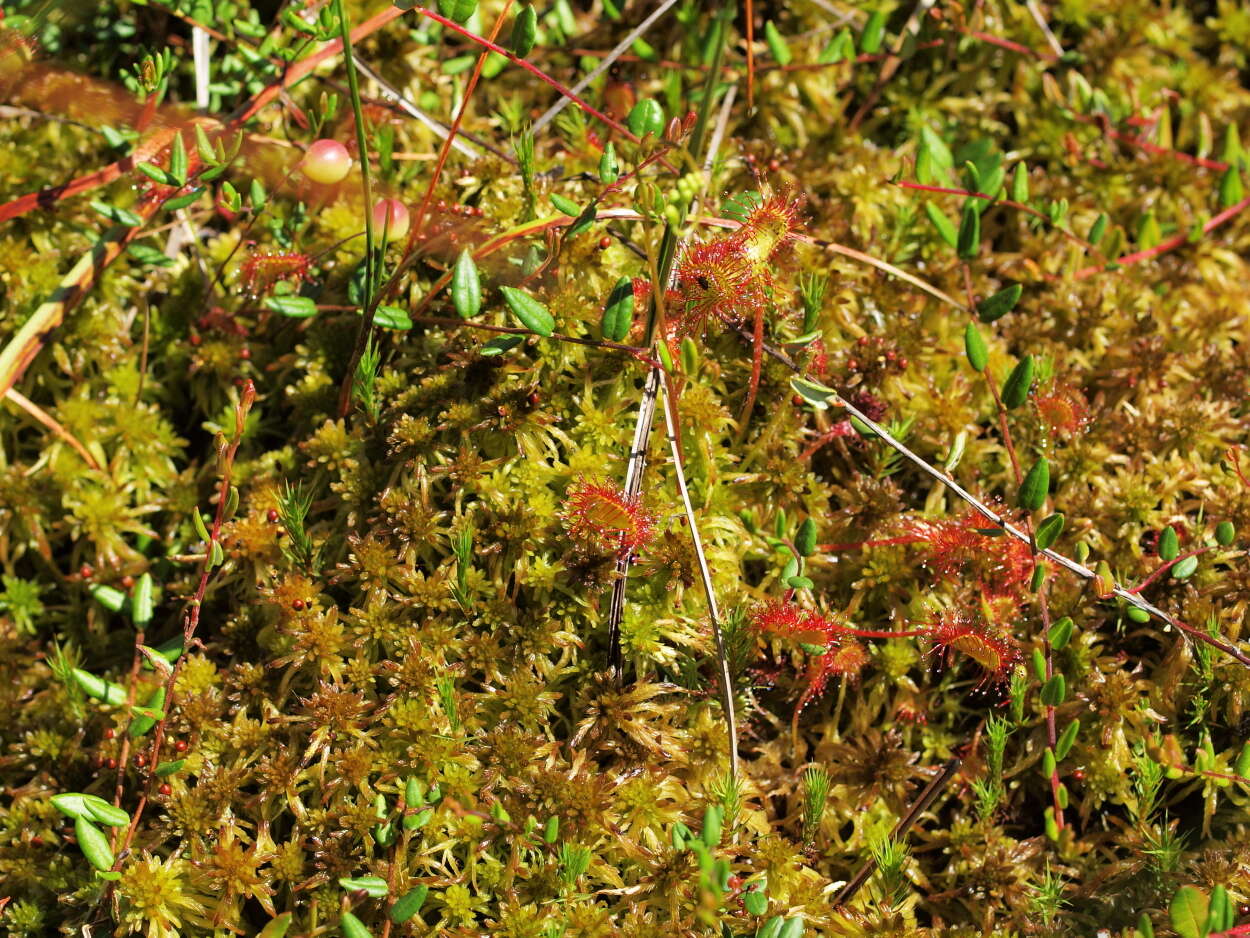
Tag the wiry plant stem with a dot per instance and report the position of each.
(646, 408)
(922, 803)
(722, 659)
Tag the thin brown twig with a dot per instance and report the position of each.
(921, 804)
(43, 417)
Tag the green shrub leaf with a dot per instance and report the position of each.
(532, 314)
(1188, 911)
(1000, 304)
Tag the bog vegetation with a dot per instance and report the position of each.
(615, 468)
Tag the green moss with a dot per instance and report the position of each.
(431, 617)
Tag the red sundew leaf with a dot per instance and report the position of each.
(603, 518)
(991, 647)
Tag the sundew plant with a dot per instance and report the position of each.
(649, 468)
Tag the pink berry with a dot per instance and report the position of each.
(327, 162)
(391, 215)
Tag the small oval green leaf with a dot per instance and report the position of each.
(295, 307)
(181, 201)
(974, 348)
(1016, 387)
(114, 600)
(1185, 568)
(813, 392)
(1054, 691)
(1036, 486)
(1188, 911)
(1020, 183)
(458, 11)
(1067, 738)
(647, 117)
(144, 722)
(805, 540)
(874, 32)
(777, 44)
(466, 288)
(374, 886)
(945, 228)
(1049, 530)
(609, 166)
(1060, 633)
(409, 904)
(277, 927)
(392, 317)
(968, 242)
(567, 206)
(99, 688)
(117, 215)
(755, 902)
(618, 313)
(93, 844)
(500, 345)
(1000, 304)
(524, 31)
(531, 313)
(1225, 533)
(1169, 544)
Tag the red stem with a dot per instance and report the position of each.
(859, 545)
(867, 633)
(1143, 144)
(454, 130)
(1166, 567)
(532, 69)
(1170, 244)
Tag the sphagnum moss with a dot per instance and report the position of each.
(414, 597)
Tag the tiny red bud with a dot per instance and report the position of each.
(110, 733)
(180, 746)
(128, 581)
(774, 165)
(297, 605)
(86, 571)
(141, 759)
(165, 789)
(272, 515)
(604, 243)
(245, 353)
(111, 763)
